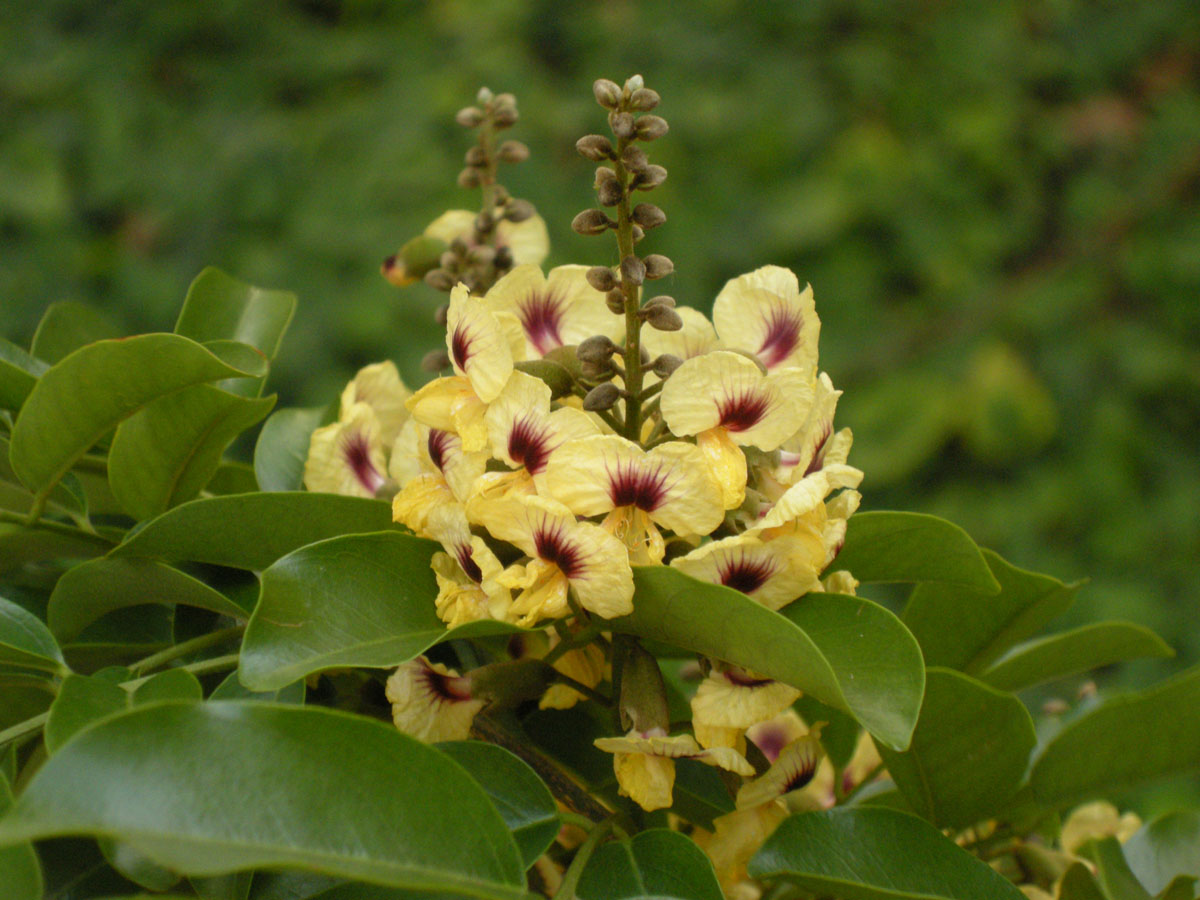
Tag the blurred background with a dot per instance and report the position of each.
(997, 204)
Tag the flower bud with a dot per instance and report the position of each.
(651, 128)
(414, 259)
(602, 396)
(439, 279)
(609, 193)
(660, 300)
(469, 117)
(512, 152)
(615, 300)
(481, 255)
(643, 700)
(643, 99)
(475, 156)
(591, 221)
(661, 317)
(439, 314)
(648, 215)
(633, 270)
(596, 350)
(484, 97)
(637, 233)
(500, 194)
(484, 222)
(506, 117)
(623, 125)
(658, 266)
(448, 260)
(505, 100)
(596, 371)
(435, 361)
(634, 158)
(665, 365)
(607, 93)
(518, 210)
(504, 259)
(634, 83)
(650, 178)
(595, 147)
(468, 178)
(601, 278)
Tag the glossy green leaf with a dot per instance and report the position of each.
(872, 853)
(93, 589)
(136, 866)
(235, 886)
(164, 454)
(19, 372)
(121, 636)
(653, 865)
(1112, 871)
(67, 499)
(1079, 650)
(1164, 849)
(282, 448)
(232, 478)
(968, 629)
(20, 872)
(232, 689)
(520, 796)
(912, 547)
(25, 641)
(173, 684)
(968, 754)
(150, 778)
(699, 794)
(81, 700)
(1181, 888)
(358, 600)
(846, 651)
(20, 545)
(251, 531)
(66, 326)
(220, 307)
(1078, 883)
(1127, 740)
(94, 389)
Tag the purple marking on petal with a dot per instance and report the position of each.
(744, 574)
(444, 688)
(744, 410)
(460, 346)
(742, 678)
(466, 559)
(541, 314)
(529, 444)
(553, 545)
(771, 738)
(802, 776)
(631, 485)
(817, 463)
(782, 337)
(356, 451)
(437, 444)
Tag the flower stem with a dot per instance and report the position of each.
(211, 639)
(633, 325)
(33, 520)
(566, 890)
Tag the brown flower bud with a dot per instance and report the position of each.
(634, 83)
(469, 117)
(504, 259)
(506, 117)
(435, 361)
(609, 193)
(662, 317)
(591, 221)
(594, 372)
(650, 178)
(623, 125)
(637, 232)
(500, 194)
(651, 128)
(648, 215)
(484, 97)
(512, 152)
(660, 300)
(475, 156)
(468, 178)
(665, 365)
(607, 93)
(596, 350)
(481, 255)
(505, 100)
(601, 278)
(615, 300)
(518, 210)
(485, 222)
(439, 279)
(595, 147)
(602, 396)
(439, 314)
(634, 158)
(633, 270)
(448, 261)
(658, 266)
(643, 99)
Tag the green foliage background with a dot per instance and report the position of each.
(997, 203)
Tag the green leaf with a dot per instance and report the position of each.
(968, 754)
(219, 307)
(1078, 883)
(232, 689)
(840, 735)
(912, 547)
(25, 641)
(66, 326)
(81, 700)
(873, 853)
(847, 652)
(1126, 740)
(1181, 888)
(137, 867)
(120, 636)
(19, 372)
(282, 448)
(224, 887)
(20, 872)
(699, 795)
(150, 778)
(167, 452)
(1072, 652)
(91, 391)
(969, 630)
(358, 600)
(232, 478)
(1164, 849)
(20, 545)
(657, 864)
(520, 796)
(173, 684)
(93, 589)
(1112, 871)
(251, 531)
(67, 499)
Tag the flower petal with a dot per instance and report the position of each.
(766, 313)
(478, 345)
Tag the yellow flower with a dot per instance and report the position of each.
(695, 338)
(522, 429)
(644, 764)
(430, 702)
(793, 770)
(467, 573)
(1097, 820)
(773, 572)
(347, 456)
(381, 388)
(638, 489)
(727, 402)
(766, 313)
(565, 554)
(528, 240)
(735, 838)
(432, 469)
(555, 310)
(585, 665)
(732, 699)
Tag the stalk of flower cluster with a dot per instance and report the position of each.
(632, 292)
